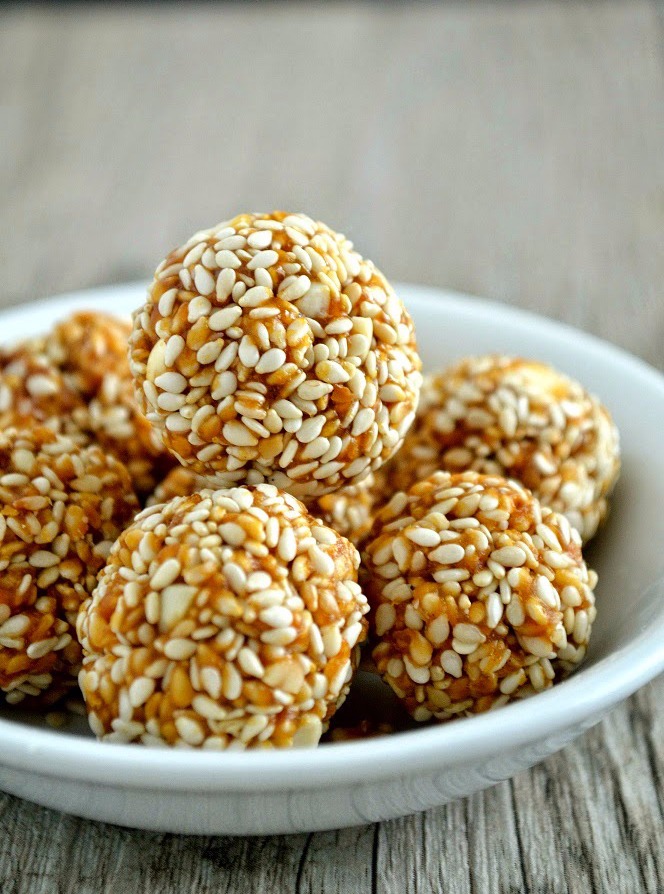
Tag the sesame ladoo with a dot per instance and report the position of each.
(268, 350)
(518, 418)
(479, 595)
(61, 508)
(225, 619)
(349, 511)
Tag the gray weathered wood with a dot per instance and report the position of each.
(512, 150)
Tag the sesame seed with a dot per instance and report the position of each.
(179, 649)
(276, 616)
(173, 382)
(509, 556)
(42, 558)
(140, 691)
(265, 258)
(239, 435)
(447, 554)
(271, 361)
(166, 574)
(41, 647)
(189, 730)
(423, 536)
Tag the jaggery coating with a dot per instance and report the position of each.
(61, 508)
(224, 619)
(479, 594)
(268, 350)
(517, 418)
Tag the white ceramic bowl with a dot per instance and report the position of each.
(357, 782)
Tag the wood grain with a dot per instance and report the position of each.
(510, 149)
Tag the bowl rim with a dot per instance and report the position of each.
(580, 700)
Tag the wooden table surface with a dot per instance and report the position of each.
(514, 150)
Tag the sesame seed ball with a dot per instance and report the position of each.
(224, 619)
(519, 418)
(479, 593)
(268, 350)
(34, 393)
(349, 511)
(61, 507)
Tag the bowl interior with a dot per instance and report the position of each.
(627, 553)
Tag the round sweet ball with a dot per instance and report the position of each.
(33, 392)
(61, 508)
(268, 350)
(225, 619)
(349, 511)
(479, 594)
(518, 418)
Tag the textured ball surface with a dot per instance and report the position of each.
(61, 508)
(226, 619)
(88, 346)
(33, 392)
(518, 418)
(479, 595)
(84, 388)
(349, 511)
(268, 350)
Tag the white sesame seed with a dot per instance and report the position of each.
(265, 258)
(166, 574)
(250, 662)
(174, 604)
(494, 610)
(271, 360)
(15, 626)
(259, 239)
(248, 352)
(211, 681)
(512, 682)
(41, 647)
(231, 682)
(233, 534)
(239, 435)
(255, 296)
(227, 259)
(42, 558)
(276, 616)
(287, 547)
(423, 536)
(447, 554)
(140, 691)
(172, 382)
(438, 630)
(174, 347)
(179, 649)
(451, 663)
(385, 618)
(509, 556)
(189, 730)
